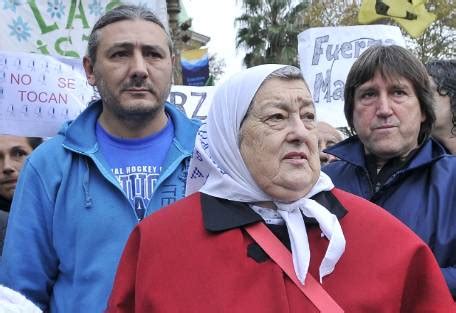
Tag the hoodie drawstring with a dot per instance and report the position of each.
(85, 185)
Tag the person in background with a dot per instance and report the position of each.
(126, 156)
(327, 136)
(443, 83)
(13, 151)
(257, 167)
(392, 161)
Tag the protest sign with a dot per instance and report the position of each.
(326, 55)
(38, 93)
(58, 27)
(192, 100)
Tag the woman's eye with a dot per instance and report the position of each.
(308, 117)
(276, 117)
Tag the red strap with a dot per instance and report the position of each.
(280, 255)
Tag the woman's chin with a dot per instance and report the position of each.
(288, 196)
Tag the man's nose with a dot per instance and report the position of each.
(384, 105)
(8, 166)
(138, 67)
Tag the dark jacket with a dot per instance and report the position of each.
(4, 209)
(4, 204)
(421, 194)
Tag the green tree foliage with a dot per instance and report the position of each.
(329, 13)
(216, 69)
(268, 31)
(439, 40)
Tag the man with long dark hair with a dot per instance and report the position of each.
(392, 161)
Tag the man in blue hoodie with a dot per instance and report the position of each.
(392, 161)
(82, 192)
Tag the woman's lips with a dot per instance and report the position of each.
(295, 157)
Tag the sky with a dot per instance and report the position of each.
(219, 27)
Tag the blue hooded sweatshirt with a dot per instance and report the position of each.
(70, 219)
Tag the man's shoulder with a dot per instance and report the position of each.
(51, 150)
(433, 155)
(185, 128)
(179, 116)
(446, 164)
(362, 211)
(337, 166)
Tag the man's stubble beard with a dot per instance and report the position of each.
(138, 114)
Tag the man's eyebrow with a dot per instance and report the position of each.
(19, 148)
(365, 87)
(154, 48)
(125, 45)
(400, 85)
(129, 45)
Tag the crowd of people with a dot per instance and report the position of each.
(134, 207)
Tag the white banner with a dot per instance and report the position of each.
(57, 27)
(38, 93)
(193, 100)
(326, 55)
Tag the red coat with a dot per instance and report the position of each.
(194, 256)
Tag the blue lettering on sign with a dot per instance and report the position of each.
(323, 85)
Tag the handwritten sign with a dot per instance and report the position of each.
(55, 27)
(38, 93)
(326, 55)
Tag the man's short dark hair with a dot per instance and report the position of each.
(443, 72)
(122, 13)
(391, 61)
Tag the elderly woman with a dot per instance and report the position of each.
(268, 232)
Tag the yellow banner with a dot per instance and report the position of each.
(410, 14)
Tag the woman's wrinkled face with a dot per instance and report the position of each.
(278, 140)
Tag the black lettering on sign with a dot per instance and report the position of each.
(383, 8)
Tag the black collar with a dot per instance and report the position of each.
(221, 214)
(391, 166)
(5, 204)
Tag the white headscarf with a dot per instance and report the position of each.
(218, 169)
